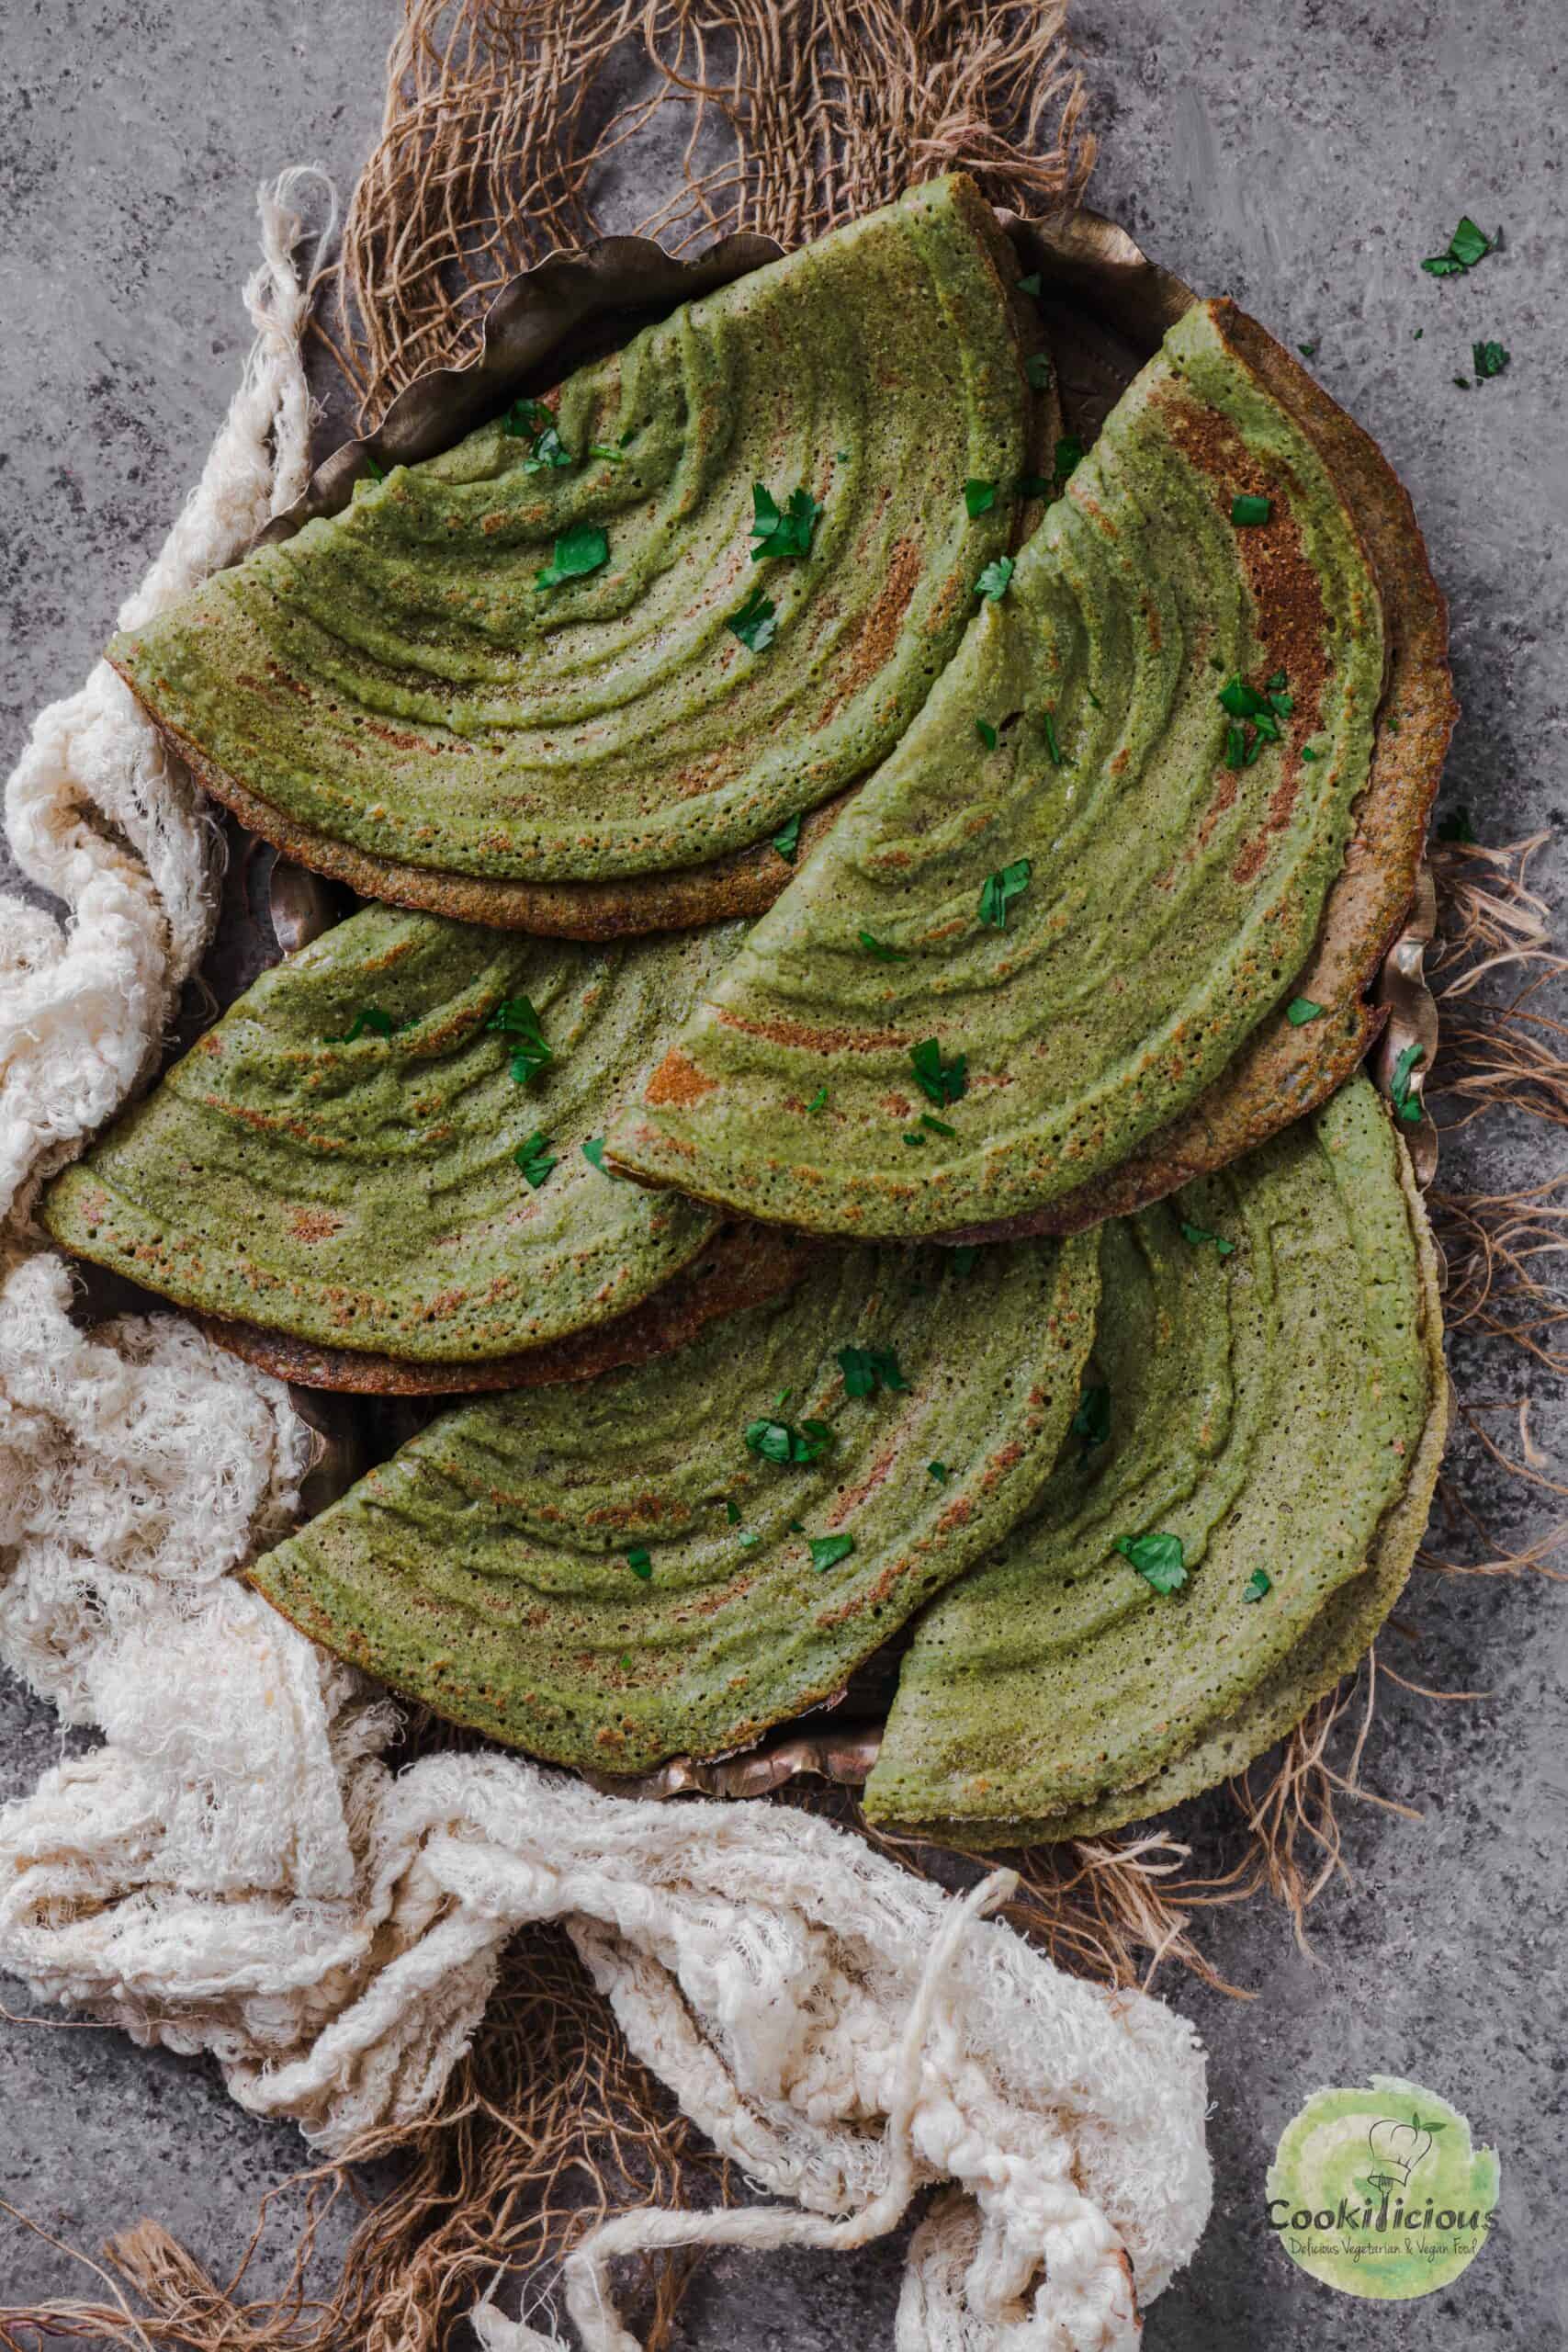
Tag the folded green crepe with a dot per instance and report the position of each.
(668, 1560)
(647, 628)
(1267, 1389)
(1093, 864)
(335, 1159)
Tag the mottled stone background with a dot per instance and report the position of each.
(1304, 154)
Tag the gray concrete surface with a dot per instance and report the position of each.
(1305, 155)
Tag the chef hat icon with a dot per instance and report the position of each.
(1398, 2147)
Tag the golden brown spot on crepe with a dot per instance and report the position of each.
(314, 1225)
(678, 1080)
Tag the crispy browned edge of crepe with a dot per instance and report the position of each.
(744, 1265)
(744, 882)
(1282, 1072)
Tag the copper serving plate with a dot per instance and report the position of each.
(1108, 308)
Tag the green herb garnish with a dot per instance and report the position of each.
(866, 1370)
(593, 1152)
(1488, 359)
(371, 1018)
(1092, 1420)
(780, 1441)
(639, 1559)
(1058, 757)
(516, 1018)
(786, 840)
(819, 1101)
(827, 1551)
(603, 450)
(993, 581)
(1249, 510)
(938, 1126)
(756, 624)
(1157, 1558)
(549, 453)
(1255, 716)
(1307, 350)
(1200, 1234)
(986, 732)
(376, 472)
(914, 1139)
(1034, 486)
(1468, 245)
(1070, 454)
(732, 1512)
(1407, 1104)
(939, 1081)
(1300, 1009)
(1030, 285)
(582, 549)
(526, 419)
(533, 1159)
(1037, 372)
(1001, 888)
(883, 955)
(1258, 1584)
(1457, 828)
(979, 497)
(781, 530)
(939, 1471)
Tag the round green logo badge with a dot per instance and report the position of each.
(1380, 2193)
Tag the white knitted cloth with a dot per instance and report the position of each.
(237, 1869)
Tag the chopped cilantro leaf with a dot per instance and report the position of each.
(1092, 1420)
(747, 1541)
(1468, 245)
(550, 452)
(1199, 1234)
(1407, 1104)
(827, 1551)
(593, 1152)
(939, 1471)
(1000, 889)
(1030, 285)
(781, 530)
(866, 1370)
(533, 1159)
(732, 1512)
(756, 623)
(1488, 359)
(936, 1126)
(979, 497)
(1258, 1584)
(516, 1018)
(1157, 1558)
(526, 419)
(786, 840)
(1310, 752)
(376, 472)
(1037, 372)
(603, 450)
(1457, 828)
(818, 1101)
(1251, 710)
(370, 1017)
(986, 732)
(914, 1139)
(993, 581)
(780, 1441)
(1034, 485)
(939, 1081)
(1249, 510)
(1300, 1009)
(1058, 757)
(1307, 350)
(582, 549)
(639, 1559)
(883, 955)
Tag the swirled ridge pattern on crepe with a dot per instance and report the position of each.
(397, 678)
(362, 1192)
(491, 1566)
(1280, 1409)
(1177, 859)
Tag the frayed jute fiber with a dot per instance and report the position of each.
(502, 124)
